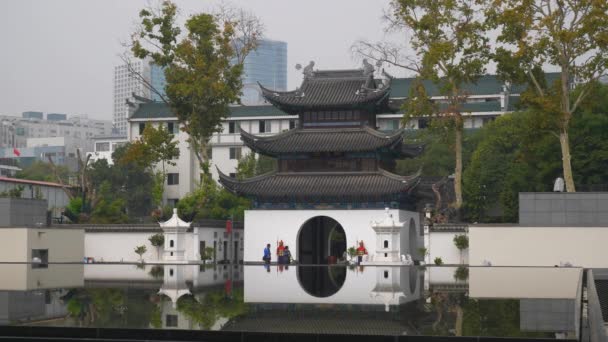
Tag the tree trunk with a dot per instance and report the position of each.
(459, 320)
(566, 165)
(458, 170)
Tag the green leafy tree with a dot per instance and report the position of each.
(15, 192)
(511, 156)
(450, 49)
(141, 250)
(566, 34)
(41, 171)
(158, 241)
(200, 69)
(109, 208)
(208, 253)
(155, 146)
(449, 40)
(212, 202)
(252, 165)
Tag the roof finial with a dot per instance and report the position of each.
(368, 69)
(308, 70)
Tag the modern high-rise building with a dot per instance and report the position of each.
(158, 81)
(267, 65)
(126, 83)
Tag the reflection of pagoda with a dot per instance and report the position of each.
(336, 156)
(334, 160)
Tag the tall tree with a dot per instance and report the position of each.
(570, 35)
(203, 68)
(155, 146)
(450, 45)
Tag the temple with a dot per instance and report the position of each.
(335, 158)
(333, 161)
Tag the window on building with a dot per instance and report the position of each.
(292, 124)
(173, 179)
(171, 320)
(234, 127)
(209, 152)
(264, 126)
(423, 123)
(394, 124)
(40, 258)
(102, 147)
(235, 153)
(172, 202)
(142, 126)
(172, 127)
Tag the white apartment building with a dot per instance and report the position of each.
(488, 99)
(125, 85)
(105, 145)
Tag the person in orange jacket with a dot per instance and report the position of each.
(281, 253)
(361, 251)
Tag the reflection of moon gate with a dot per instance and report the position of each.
(321, 240)
(321, 281)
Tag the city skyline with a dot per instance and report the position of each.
(67, 67)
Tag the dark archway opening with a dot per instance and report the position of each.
(321, 241)
(321, 281)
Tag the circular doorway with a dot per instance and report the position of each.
(321, 241)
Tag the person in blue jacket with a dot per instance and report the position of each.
(267, 256)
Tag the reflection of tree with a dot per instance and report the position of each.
(497, 317)
(212, 307)
(110, 307)
(458, 315)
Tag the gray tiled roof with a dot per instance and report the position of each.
(329, 89)
(362, 139)
(322, 186)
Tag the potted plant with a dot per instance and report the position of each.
(352, 252)
(462, 243)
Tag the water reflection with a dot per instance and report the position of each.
(507, 302)
(321, 281)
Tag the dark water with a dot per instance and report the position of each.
(446, 301)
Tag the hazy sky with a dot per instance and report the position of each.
(59, 55)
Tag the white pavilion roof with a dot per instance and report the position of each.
(174, 222)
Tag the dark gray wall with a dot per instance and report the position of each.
(22, 212)
(588, 209)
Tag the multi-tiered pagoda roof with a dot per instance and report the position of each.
(335, 155)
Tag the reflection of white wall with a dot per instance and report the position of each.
(524, 282)
(22, 277)
(441, 275)
(441, 244)
(285, 225)
(538, 246)
(283, 286)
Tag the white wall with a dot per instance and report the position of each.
(268, 226)
(538, 246)
(118, 247)
(64, 245)
(441, 244)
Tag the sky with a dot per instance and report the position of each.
(59, 55)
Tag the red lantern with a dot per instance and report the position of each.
(228, 226)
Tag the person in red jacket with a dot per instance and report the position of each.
(361, 251)
(281, 253)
